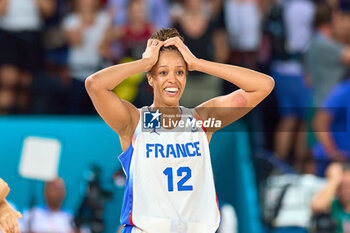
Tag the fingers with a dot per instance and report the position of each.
(153, 42)
(18, 214)
(173, 41)
(2, 228)
(15, 225)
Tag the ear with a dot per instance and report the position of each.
(150, 79)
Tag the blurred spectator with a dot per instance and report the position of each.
(243, 19)
(157, 14)
(21, 50)
(298, 18)
(132, 37)
(326, 58)
(199, 32)
(49, 218)
(84, 29)
(331, 125)
(286, 202)
(334, 198)
(9, 216)
(137, 30)
(292, 93)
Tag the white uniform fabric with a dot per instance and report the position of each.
(43, 220)
(243, 21)
(298, 18)
(21, 15)
(295, 208)
(172, 192)
(84, 59)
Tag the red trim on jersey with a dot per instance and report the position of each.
(130, 219)
(217, 203)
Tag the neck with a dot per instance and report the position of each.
(166, 109)
(54, 208)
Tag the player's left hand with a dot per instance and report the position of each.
(8, 218)
(190, 59)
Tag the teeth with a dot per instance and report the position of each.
(171, 89)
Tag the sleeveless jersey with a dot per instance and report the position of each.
(170, 186)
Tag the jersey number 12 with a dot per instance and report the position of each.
(181, 184)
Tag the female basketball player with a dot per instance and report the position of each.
(170, 185)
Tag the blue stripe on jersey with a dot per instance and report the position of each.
(127, 229)
(125, 160)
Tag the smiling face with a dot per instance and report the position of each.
(168, 79)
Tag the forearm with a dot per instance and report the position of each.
(323, 200)
(3, 6)
(246, 79)
(321, 124)
(112, 76)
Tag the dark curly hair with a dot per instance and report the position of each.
(164, 34)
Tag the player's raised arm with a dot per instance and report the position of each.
(8, 216)
(254, 86)
(119, 114)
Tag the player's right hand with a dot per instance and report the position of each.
(151, 53)
(8, 218)
(4, 189)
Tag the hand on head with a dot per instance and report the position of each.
(152, 52)
(189, 58)
(8, 218)
(154, 46)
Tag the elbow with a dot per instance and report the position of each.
(269, 85)
(92, 83)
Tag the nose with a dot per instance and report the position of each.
(172, 77)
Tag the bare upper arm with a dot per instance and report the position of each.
(229, 108)
(119, 114)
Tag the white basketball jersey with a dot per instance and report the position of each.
(170, 186)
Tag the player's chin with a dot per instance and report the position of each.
(172, 99)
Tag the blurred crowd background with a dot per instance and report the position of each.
(299, 136)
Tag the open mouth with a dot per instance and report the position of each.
(171, 91)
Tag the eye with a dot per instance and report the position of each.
(180, 72)
(163, 73)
